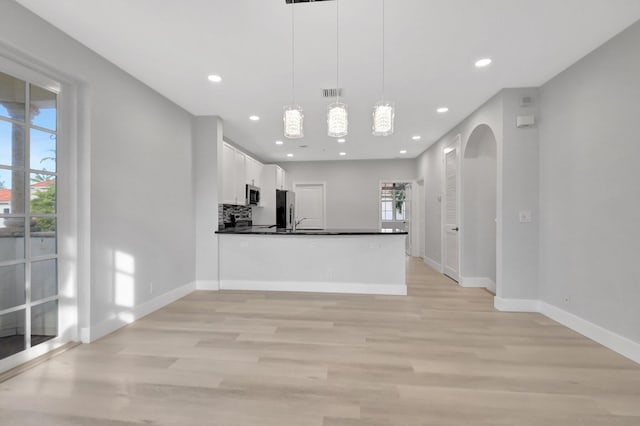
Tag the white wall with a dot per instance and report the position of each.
(589, 187)
(137, 146)
(353, 193)
(430, 168)
(518, 186)
(479, 191)
(207, 145)
(517, 176)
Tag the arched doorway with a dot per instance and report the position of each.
(479, 200)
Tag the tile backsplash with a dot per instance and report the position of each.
(225, 211)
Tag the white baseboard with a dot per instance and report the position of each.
(31, 353)
(516, 305)
(433, 264)
(125, 317)
(617, 343)
(315, 287)
(479, 282)
(213, 285)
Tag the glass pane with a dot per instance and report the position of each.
(43, 193)
(44, 322)
(43, 107)
(43, 236)
(12, 333)
(44, 279)
(12, 137)
(11, 191)
(43, 151)
(12, 97)
(12, 286)
(11, 238)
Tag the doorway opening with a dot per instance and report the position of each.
(479, 201)
(395, 209)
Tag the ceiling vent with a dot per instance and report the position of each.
(303, 1)
(332, 93)
(526, 101)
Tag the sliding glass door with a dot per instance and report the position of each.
(28, 215)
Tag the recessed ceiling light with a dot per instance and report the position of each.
(279, 142)
(342, 140)
(442, 110)
(254, 118)
(289, 155)
(404, 151)
(416, 137)
(215, 78)
(483, 62)
(343, 154)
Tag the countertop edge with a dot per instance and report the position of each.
(336, 232)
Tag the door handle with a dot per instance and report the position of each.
(455, 229)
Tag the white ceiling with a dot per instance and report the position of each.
(172, 45)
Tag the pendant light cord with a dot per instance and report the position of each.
(293, 55)
(337, 51)
(383, 52)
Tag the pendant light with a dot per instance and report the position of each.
(293, 116)
(337, 113)
(383, 111)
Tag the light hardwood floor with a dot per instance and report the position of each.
(440, 356)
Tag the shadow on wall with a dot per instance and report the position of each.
(479, 180)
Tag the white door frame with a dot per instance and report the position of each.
(379, 200)
(324, 197)
(411, 216)
(72, 204)
(418, 224)
(454, 144)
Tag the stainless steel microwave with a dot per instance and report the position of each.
(253, 195)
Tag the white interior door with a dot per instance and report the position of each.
(450, 232)
(310, 209)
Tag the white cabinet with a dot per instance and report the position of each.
(254, 170)
(229, 192)
(240, 176)
(272, 177)
(234, 166)
(280, 178)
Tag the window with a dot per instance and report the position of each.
(393, 202)
(28, 223)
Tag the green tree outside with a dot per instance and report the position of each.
(44, 202)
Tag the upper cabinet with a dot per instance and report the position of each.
(234, 166)
(240, 164)
(254, 170)
(229, 192)
(280, 178)
(238, 171)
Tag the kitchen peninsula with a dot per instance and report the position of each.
(327, 261)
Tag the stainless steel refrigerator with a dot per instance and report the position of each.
(285, 209)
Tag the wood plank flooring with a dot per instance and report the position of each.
(440, 356)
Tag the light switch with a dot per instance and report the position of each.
(525, 216)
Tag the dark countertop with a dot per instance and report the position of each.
(265, 230)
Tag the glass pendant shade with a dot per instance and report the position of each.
(293, 122)
(383, 118)
(337, 120)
